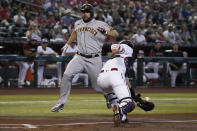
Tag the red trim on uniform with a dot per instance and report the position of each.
(114, 69)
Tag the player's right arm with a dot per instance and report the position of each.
(70, 40)
(72, 37)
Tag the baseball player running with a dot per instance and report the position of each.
(112, 79)
(90, 35)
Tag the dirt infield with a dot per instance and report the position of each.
(148, 122)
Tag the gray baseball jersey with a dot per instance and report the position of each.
(89, 39)
(89, 42)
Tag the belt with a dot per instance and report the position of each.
(112, 69)
(88, 56)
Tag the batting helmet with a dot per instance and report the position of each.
(127, 42)
(88, 8)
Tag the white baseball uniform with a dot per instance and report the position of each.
(112, 75)
(42, 64)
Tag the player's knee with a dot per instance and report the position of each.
(127, 105)
(67, 76)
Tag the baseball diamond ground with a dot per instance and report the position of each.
(138, 122)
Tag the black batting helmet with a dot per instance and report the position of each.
(88, 8)
(127, 42)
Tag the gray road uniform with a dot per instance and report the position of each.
(88, 58)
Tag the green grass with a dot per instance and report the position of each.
(90, 104)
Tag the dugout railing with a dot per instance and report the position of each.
(7, 59)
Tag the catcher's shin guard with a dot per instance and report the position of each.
(111, 100)
(127, 105)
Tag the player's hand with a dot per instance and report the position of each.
(64, 48)
(102, 30)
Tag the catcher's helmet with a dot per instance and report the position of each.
(88, 8)
(127, 42)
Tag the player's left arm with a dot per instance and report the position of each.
(112, 32)
(107, 30)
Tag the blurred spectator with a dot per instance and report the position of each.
(29, 17)
(156, 52)
(51, 19)
(65, 34)
(50, 34)
(58, 17)
(61, 7)
(99, 15)
(58, 33)
(53, 7)
(146, 75)
(43, 50)
(41, 18)
(177, 32)
(169, 34)
(185, 12)
(175, 67)
(193, 17)
(139, 37)
(67, 18)
(34, 31)
(117, 20)
(185, 35)
(160, 36)
(5, 14)
(19, 18)
(107, 17)
(37, 5)
(150, 35)
(29, 50)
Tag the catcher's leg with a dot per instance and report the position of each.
(111, 100)
(120, 111)
(125, 106)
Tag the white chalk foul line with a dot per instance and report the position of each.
(16, 126)
(29, 102)
(91, 123)
(29, 126)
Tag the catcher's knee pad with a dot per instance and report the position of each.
(127, 105)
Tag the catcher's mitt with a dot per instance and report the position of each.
(145, 105)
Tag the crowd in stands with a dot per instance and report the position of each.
(142, 21)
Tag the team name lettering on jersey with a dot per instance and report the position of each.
(89, 29)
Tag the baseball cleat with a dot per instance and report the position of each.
(124, 119)
(57, 107)
(116, 115)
